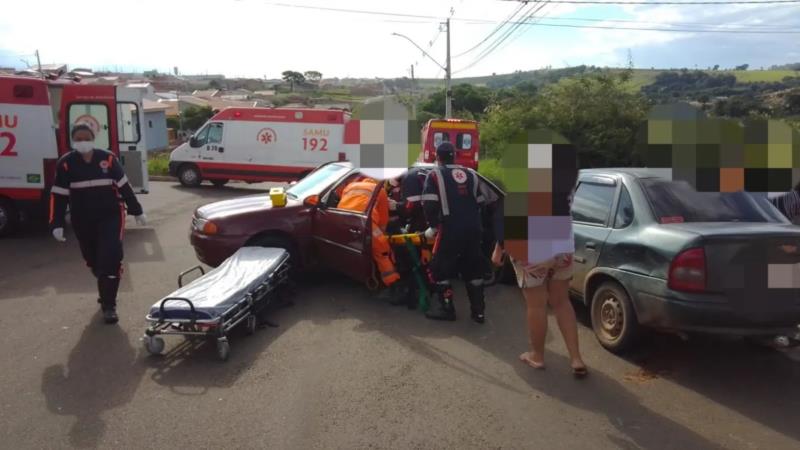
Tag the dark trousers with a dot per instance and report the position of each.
(459, 254)
(100, 241)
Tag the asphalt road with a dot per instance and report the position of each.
(344, 371)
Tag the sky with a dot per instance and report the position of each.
(262, 38)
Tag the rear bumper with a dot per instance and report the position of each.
(213, 250)
(718, 318)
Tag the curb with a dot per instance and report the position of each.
(162, 178)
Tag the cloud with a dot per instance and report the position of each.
(257, 38)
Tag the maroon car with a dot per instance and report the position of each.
(309, 226)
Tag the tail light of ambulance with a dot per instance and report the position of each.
(688, 271)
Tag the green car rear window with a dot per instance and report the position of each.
(678, 201)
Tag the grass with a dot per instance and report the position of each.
(753, 76)
(158, 163)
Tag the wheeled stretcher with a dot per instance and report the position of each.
(218, 301)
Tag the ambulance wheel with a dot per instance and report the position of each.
(219, 183)
(153, 344)
(223, 349)
(9, 217)
(251, 325)
(189, 176)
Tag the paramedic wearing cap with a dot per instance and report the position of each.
(452, 203)
(93, 183)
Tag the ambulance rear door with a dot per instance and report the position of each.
(94, 106)
(27, 137)
(132, 142)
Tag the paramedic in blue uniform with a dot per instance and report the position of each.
(94, 185)
(452, 201)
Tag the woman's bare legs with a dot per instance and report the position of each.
(536, 303)
(558, 297)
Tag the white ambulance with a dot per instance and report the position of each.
(264, 144)
(35, 118)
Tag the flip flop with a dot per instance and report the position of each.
(525, 357)
(580, 372)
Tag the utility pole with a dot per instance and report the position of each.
(39, 63)
(448, 94)
(413, 100)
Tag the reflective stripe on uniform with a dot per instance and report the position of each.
(59, 190)
(414, 198)
(476, 282)
(429, 197)
(363, 192)
(475, 185)
(122, 181)
(442, 192)
(91, 183)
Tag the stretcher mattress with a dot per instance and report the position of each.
(213, 293)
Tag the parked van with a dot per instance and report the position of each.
(262, 144)
(463, 134)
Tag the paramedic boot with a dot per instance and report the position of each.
(443, 308)
(107, 287)
(393, 294)
(476, 300)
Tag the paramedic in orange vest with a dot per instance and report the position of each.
(356, 197)
(93, 184)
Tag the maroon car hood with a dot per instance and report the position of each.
(241, 205)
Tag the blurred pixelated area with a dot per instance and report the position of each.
(720, 155)
(388, 141)
(540, 170)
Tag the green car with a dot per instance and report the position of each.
(655, 253)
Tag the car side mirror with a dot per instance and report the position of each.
(193, 142)
(311, 201)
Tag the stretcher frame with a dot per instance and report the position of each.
(245, 310)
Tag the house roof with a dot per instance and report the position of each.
(206, 93)
(151, 106)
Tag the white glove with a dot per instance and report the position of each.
(392, 205)
(430, 233)
(58, 234)
(141, 220)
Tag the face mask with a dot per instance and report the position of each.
(83, 147)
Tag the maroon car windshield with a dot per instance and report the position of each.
(678, 201)
(317, 181)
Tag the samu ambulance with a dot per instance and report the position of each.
(263, 144)
(36, 117)
(462, 133)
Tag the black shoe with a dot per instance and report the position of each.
(478, 317)
(110, 316)
(442, 312)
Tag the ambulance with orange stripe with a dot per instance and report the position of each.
(463, 134)
(264, 144)
(35, 118)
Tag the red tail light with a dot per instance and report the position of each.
(688, 271)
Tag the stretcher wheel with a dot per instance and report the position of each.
(153, 344)
(251, 325)
(223, 349)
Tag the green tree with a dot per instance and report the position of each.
(466, 97)
(293, 78)
(313, 76)
(194, 117)
(597, 112)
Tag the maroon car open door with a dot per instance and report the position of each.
(340, 242)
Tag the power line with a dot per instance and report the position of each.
(669, 30)
(691, 2)
(497, 28)
(486, 52)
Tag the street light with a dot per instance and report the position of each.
(448, 100)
